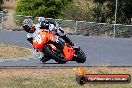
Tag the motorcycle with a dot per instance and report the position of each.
(44, 42)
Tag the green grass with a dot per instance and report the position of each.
(54, 78)
(61, 82)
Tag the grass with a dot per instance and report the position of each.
(11, 52)
(56, 78)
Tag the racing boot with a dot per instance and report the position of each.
(42, 57)
(67, 40)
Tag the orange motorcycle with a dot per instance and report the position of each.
(55, 48)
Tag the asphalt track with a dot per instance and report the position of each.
(100, 51)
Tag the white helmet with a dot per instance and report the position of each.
(28, 22)
(27, 25)
(40, 19)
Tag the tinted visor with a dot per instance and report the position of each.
(26, 28)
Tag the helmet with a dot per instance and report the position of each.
(28, 26)
(40, 19)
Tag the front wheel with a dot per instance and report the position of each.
(54, 55)
(81, 57)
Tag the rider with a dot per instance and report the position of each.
(33, 31)
(53, 26)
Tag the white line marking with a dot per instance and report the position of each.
(1, 61)
(15, 60)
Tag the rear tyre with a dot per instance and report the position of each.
(81, 57)
(54, 55)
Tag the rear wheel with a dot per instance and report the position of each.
(54, 55)
(81, 57)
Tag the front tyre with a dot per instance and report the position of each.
(54, 55)
(81, 57)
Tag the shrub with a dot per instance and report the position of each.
(46, 8)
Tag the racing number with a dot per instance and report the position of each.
(38, 39)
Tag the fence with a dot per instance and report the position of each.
(1, 19)
(76, 27)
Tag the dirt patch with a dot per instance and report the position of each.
(10, 4)
(39, 73)
(8, 51)
(9, 7)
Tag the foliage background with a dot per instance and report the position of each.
(50, 8)
(1, 2)
(89, 10)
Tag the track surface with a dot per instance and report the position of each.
(100, 51)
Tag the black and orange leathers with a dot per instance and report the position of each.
(45, 25)
(44, 37)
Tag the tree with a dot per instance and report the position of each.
(1, 2)
(78, 10)
(46, 8)
(124, 12)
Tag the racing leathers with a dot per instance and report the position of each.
(33, 36)
(51, 26)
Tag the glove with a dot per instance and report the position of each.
(30, 40)
(51, 27)
(61, 32)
